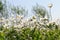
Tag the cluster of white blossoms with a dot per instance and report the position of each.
(12, 21)
(56, 21)
(19, 22)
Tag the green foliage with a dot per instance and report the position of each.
(1, 6)
(29, 34)
(3, 9)
(18, 10)
(2, 35)
(40, 11)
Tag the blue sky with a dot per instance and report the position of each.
(27, 4)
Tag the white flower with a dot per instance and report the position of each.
(19, 26)
(42, 19)
(7, 19)
(5, 25)
(9, 23)
(33, 17)
(18, 16)
(15, 25)
(22, 16)
(33, 21)
(12, 15)
(42, 23)
(14, 21)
